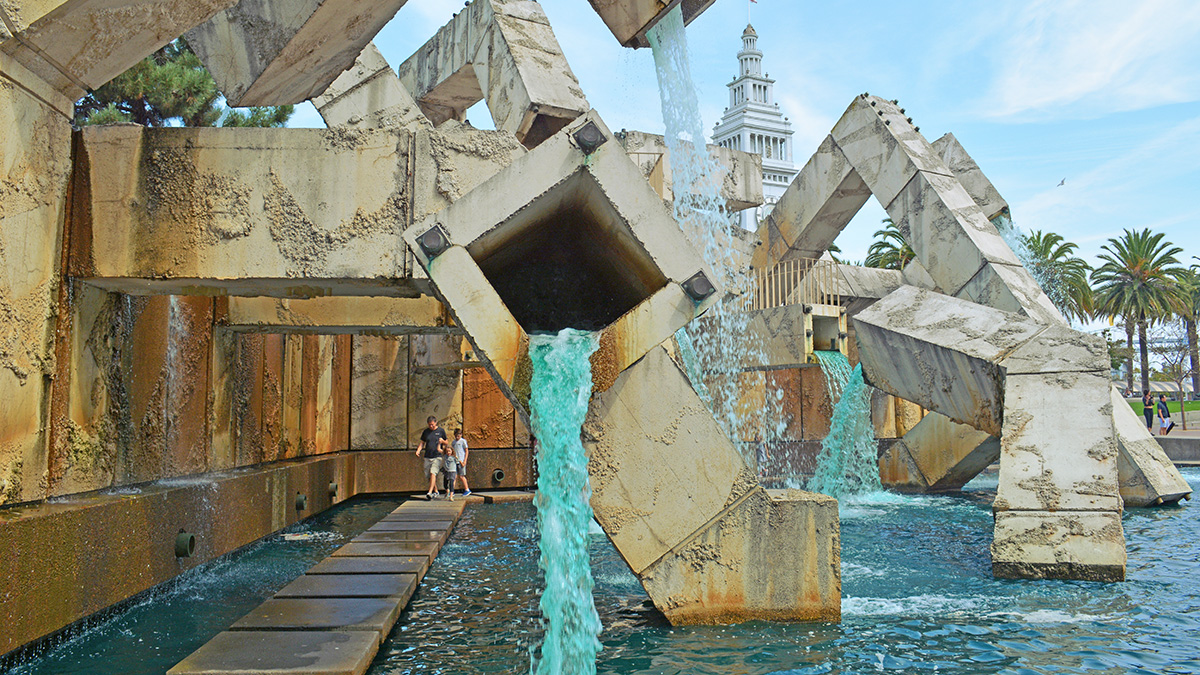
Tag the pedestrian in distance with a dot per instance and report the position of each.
(1148, 408)
(461, 453)
(433, 444)
(1165, 425)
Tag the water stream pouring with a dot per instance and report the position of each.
(561, 388)
(848, 462)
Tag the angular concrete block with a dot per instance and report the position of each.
(503, 52)
(821, 200)
(947, 230)
(375, 615)
(76, 45)
(741, 172)
(264, 52)
(369, 95)
(940, 352)
(647, 513)
(1146, 475)
(884, 149)
(773, 555)
(970, 176)
(629, 20)
(945, 453)
(1088, 546)
(1058, 447)
(1058, 349)
(1012, 289)
(288, 651)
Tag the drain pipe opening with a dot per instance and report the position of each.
(185, 544)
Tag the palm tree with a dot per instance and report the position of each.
(1062, 276)
(1139, 281)
(889, 251)
(1189, 311)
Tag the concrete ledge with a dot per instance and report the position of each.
(1180, 449)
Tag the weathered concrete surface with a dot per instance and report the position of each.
(264, 52)
(971, 177)
(692, 531)
(741, 172)
(369, 95)
(937, 454)
(210, 212)
(625, 245)
(35, 146)
(373, 615)
(290, 651)
(379, 391)
(435, 384)
(773, 555)
(339, 316)
(76, 45)
(629, 20)
(1017, 379)
(488, 417)
(1147, 475)
(502, 52)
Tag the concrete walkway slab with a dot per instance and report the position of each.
(389, 548)
(374, 615)
(438, 536)
(410, 525)
(351, 586)
(372, 565)
(291, 652)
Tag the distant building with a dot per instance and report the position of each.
(753, 123)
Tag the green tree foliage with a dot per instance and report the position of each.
(1062, 276)
(889, 251)
(1139, 282)
(170, 88)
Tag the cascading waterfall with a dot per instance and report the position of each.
(560, 389)
(720, 343)
(848, 462)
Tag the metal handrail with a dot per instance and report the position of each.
(800, 281)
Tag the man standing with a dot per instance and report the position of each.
(433, 443)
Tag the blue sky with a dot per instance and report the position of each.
(1101, 93)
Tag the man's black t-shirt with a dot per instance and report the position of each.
(433, 439)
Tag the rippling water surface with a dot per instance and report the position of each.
(918, 597)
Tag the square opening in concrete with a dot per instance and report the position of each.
(567, 260)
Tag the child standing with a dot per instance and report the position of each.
(450, 466)
(460, 451)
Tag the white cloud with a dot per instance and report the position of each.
(1079, 58)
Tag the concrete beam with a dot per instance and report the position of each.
(276, 52)
(630, 20)
(378, 316)
(971, 176)
(77, 45)
(502, 52)
(369, 95)
(280, 212)
(937, 455)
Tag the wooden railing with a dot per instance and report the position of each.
(802, 281)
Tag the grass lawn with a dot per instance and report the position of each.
(1173, 406)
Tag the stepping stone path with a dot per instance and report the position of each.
(332, 619)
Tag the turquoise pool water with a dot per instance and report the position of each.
(918, 597)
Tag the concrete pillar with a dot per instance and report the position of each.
(35, 164)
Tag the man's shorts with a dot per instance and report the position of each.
(433, 465)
